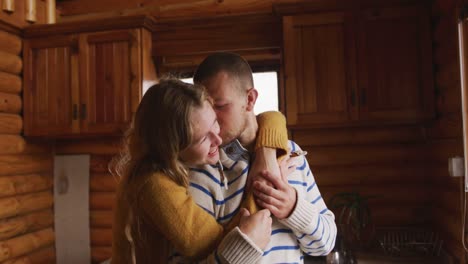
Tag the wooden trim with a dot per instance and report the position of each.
(90, 26)
(4, 26)
(51, 12)
(188, 62)
(8, 6)
(335, 5)
(217, 21)
(30, 11)
(113, 36)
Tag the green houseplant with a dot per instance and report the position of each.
(353, 218)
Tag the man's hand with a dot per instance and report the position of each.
(279, 197)
(257, 226)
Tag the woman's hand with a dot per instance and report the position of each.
(280, 198)
(257, 226)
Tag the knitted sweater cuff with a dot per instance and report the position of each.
(272, 132)
(302, 215)
(237, 247)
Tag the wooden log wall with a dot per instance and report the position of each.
(26, 167)
(446, 133)
(404, 167)
(102, 190)
(389, 163)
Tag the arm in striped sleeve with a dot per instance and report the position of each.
(311, 221)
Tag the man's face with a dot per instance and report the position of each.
(229, 104)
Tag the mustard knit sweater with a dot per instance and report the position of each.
(164, 214)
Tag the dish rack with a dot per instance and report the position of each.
(409, 242)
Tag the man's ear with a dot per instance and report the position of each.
(252, 95)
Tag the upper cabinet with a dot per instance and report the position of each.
(358, 65)
(85, 80)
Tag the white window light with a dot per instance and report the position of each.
(266, 84)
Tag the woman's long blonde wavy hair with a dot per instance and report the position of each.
(160, 129)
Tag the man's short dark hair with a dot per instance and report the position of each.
(231, 63)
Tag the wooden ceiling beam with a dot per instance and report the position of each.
(73, 10)
(78, 7)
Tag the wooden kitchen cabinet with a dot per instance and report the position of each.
(85, 80)
(348, 66)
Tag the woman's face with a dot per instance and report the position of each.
(206, 140)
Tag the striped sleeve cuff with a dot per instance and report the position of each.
(302, 215)
(237, 247)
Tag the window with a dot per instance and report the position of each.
(266, 84)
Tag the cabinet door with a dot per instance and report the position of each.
(51, 86)
(319, 51)
(395, 72)
(110, 62)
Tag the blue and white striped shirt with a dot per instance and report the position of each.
(310, 229)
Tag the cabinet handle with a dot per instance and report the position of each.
(353, 98)
(363, 97)
(75, 111)
(74, 47)
(83, 112)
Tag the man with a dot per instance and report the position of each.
(302, 222)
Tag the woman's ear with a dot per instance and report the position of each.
(252, 95)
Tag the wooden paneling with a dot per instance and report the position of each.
(251, 36)
(73, 10)
(84, 79)
(317, 55)
(446, 132)
(397, 89)
(359, 135)
(26, 198)
(365, 65)
(109, 75)
(52, 64)
(208, 35)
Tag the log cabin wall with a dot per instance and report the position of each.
(403, 166)
(26, 172)
(389, 163)
(446, 133)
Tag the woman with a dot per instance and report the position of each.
(174, 127)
